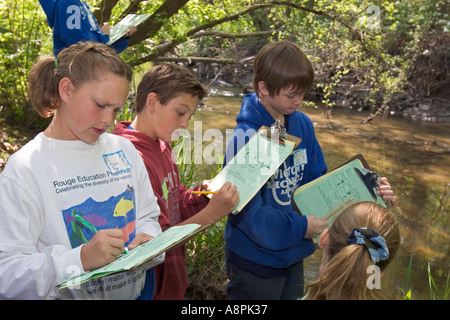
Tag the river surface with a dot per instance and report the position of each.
(415, 156)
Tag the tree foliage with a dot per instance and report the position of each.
(24, 35)
(362, 51)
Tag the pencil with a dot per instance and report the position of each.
(339, 208)
(203, 192)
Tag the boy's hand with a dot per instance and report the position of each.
(105, 28)
(386, 192)
(102, 249)
(315, 226)
(205, 185)
(222, 203)
(131, 31)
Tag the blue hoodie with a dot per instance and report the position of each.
(268, 234)
(72, 21)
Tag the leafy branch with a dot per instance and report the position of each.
(154, 23)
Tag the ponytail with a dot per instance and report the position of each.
(43, 86)
(344, 277)
(81, 62)
(347, 259)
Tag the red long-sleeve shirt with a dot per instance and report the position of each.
(176, 203)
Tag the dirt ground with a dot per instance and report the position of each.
(11, 140)
(202, 287)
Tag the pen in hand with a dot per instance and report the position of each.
(89, 225)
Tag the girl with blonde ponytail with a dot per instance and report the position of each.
(364, 234)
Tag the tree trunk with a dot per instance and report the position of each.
(103, 14)
(152, 25)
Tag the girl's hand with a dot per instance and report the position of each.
(385, 191)
(102, 249)
(140, 238)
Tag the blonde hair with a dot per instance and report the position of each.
(345, 274)
(81, 62)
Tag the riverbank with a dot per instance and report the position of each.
(421, 93)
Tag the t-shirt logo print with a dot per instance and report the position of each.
(118, 212)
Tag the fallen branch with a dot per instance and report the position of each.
(380, 110)
(190, 60)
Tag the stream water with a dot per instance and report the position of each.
(415, 156)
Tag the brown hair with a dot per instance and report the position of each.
(345, 274)
(167, 80)
(81, 62)
(282, 65)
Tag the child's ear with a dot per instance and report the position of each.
(262, 88)
(64, 88)
(152, 100)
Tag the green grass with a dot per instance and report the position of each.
(435, 294)
(206, 252)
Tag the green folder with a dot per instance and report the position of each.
(328, 195)
(168, 240)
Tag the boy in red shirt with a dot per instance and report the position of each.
(166, 98)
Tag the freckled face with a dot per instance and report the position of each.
(88, 111)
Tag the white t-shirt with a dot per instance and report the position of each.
(43, 186)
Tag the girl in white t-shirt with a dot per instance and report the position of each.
(74, 169)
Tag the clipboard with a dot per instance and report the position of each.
(351, 182)
(280, 136)
(255, 163)
(168, 240)
(121, 28)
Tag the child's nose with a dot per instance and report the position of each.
(298, 100)
(184, 123)
(109, 116)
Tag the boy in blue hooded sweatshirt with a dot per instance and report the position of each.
(72, 21)
(267, 242)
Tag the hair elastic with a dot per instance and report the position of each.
(56, 63)
(373, 241)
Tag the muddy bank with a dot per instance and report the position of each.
(425, 95)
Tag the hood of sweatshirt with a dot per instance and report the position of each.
(253, 114)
